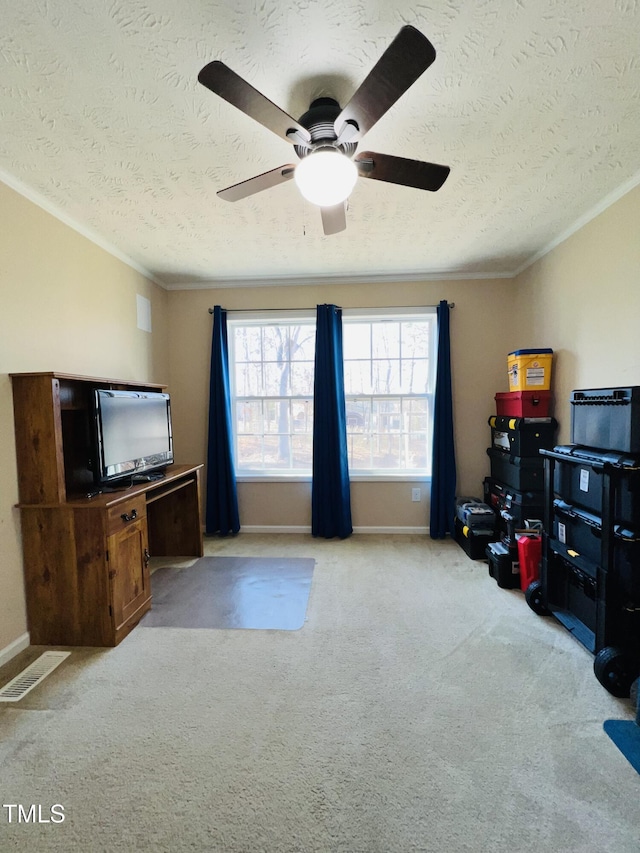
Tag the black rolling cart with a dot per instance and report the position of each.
(590, 572)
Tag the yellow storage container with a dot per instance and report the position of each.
(530, 369)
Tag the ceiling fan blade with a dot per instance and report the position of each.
(398, 170)
(228, 85)
(334, 218)
(408, 55)
(260, 182)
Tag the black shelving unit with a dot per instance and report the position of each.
(592, 600)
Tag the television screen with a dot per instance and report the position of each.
(133, 433)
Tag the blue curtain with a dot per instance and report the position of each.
(443, 475)
(330, 495)
(222, 498)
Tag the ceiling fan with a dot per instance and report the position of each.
(325, 138)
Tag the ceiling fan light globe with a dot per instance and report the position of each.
(326, 178)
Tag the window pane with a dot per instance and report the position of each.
(359, 450)
(417, 451)
(415, 376)
(248, 343)
(415, 339)
(356, 340)
(386, 451)
(302, 411)
(358, 415)
(275, 343)
(357, 377)
(386, 416)
(416, 418)
(249, 417)
(302, 446)
(386, 377)
(302, 378)
(385, 339)
(250, 451)
(248, 379)
(276, 416)
(303, 343)
(276, 451)
(277, 378)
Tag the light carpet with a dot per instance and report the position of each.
(420, 708)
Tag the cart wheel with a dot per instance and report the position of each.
(615, 670)
(533, 597)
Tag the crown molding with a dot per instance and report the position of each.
(591, 214)
(48, 206)
(338, 278)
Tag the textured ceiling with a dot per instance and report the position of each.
(535, 105)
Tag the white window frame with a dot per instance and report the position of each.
(263, 318)
(268, 317)
(381, 315)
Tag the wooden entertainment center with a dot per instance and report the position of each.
(86, 555)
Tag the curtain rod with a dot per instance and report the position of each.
(351, 307)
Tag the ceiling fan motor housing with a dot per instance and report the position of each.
(319, 121)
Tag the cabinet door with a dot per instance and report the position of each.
(129, 573)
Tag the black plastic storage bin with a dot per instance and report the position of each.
(520, 505)
(520, 472)
(503, 565)
(579, 481)
(514, 509)
(522, 436)
(473, 542)
(581, 531)
(607, 418)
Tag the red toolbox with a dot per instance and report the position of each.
(523, 404)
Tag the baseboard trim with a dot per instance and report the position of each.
(14, 648)
(401, 530)
(275, 528)
(264, 528)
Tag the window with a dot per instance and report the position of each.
(271, 365)
(389, 381)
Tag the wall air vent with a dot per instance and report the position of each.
(31, 676)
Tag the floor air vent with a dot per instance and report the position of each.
(31, 676)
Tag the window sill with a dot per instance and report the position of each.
(354, 478)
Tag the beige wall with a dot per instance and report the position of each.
(67, 306)
(481, 337)
(583, 300)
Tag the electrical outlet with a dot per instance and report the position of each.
(415, 494)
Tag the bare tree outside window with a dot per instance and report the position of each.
(388, 394)
(273, 372)
(388, 367)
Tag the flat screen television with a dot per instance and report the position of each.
(133, 437)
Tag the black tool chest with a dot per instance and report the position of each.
(607, 417)
(522, 436)
(590, 573)
(580, 481)
(515, 509)
(515, 450)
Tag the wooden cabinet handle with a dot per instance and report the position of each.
(147, 556)
(134, 515)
